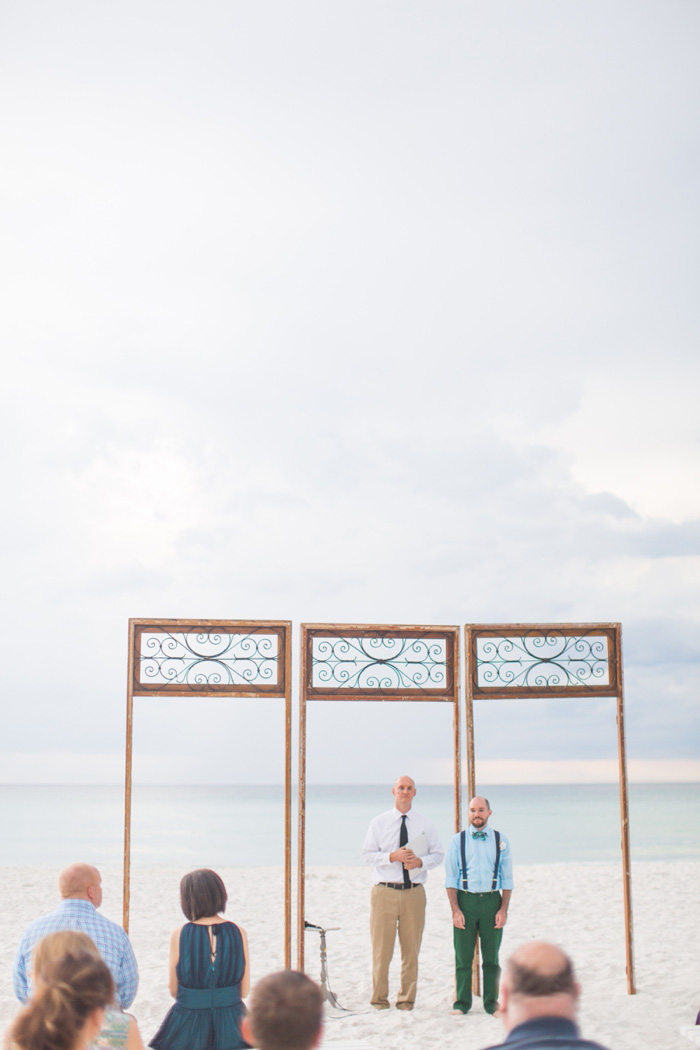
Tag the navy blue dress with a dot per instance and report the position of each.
(208, 1007)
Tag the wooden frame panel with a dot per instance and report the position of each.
(385, 663)
(211, 659)
(536, 661)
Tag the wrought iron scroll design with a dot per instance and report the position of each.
(379, 663)
(207, 659)
(545, 660)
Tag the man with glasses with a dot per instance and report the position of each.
(401, 846)
(479, 882)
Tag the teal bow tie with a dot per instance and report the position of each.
(478, 834)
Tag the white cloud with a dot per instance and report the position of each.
(638, 437)
(347, 312)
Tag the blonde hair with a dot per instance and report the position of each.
(55, 945)
(71, 989)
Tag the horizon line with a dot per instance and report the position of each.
(327, 784)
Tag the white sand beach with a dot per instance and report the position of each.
(578, 906)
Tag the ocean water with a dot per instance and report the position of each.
(244, 826)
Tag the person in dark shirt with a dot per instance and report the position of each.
(539, 1001)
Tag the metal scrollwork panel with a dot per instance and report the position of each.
(384, 664)
(545, 662)
(207, 660)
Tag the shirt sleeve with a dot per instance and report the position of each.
(19, 974)
(452, 865)
(505, 871)
(371, 853)
(128, 979)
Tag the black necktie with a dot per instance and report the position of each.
(403, 839)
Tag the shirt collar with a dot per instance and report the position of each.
(542, 1027)
(77, 902)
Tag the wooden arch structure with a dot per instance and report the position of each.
(213, 659)
(534, 661)
(379, 663)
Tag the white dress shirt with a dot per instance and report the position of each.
(382, 839)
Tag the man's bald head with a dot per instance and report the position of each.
(81, 882)
(538, 981)
(480, 798)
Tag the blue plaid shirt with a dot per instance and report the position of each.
(110, 939)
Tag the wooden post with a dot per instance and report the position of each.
(301, 806)
(288, 798)
(126, 887)
(470, 673)
(457, 734)
(624, 821)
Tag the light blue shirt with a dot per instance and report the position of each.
(481, 859)
(110, 940)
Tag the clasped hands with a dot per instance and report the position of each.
(407, 858)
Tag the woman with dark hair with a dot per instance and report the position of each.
(209, 972)
(68, 1008)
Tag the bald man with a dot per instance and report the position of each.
(479, 882)
(80, 887)
(539, 1001)
(401, 846)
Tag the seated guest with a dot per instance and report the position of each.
(68, 1008)
(209, 972)
(539, 1001)
(286, 1013)
(80, 886)
(119, 1031)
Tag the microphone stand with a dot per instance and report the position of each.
(326, 992)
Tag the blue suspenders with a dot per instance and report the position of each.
(463, 850)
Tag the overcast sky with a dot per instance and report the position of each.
(356, 312)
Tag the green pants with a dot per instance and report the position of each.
(479, 910)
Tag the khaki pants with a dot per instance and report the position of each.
(390, 909)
